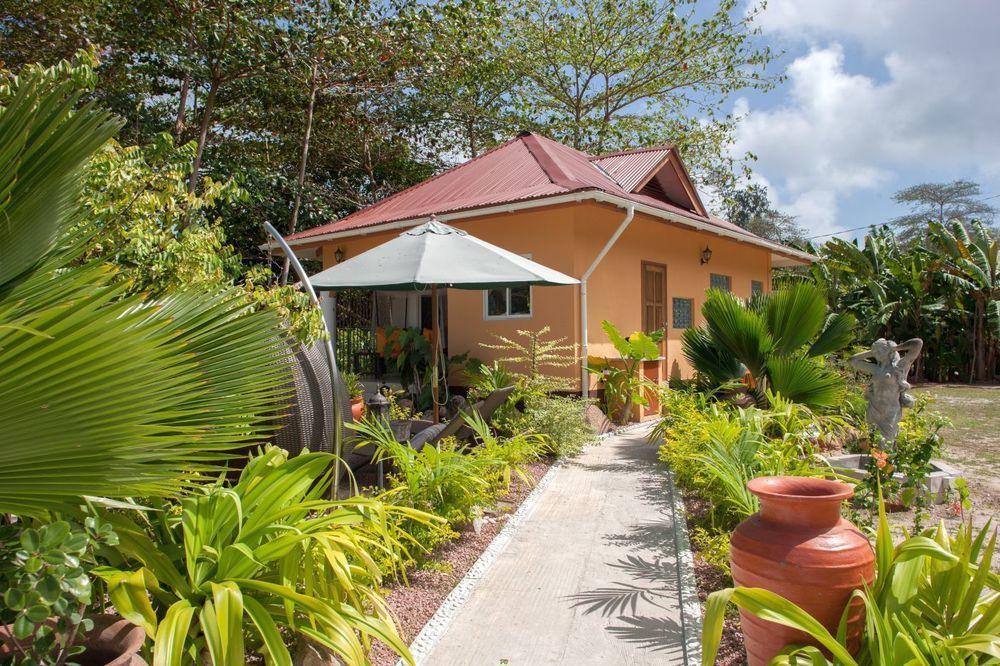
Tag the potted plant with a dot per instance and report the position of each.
(356, 393)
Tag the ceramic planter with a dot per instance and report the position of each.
(357, 408)
(113, 641)
(800, 547)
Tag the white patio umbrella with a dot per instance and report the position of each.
(435, 255)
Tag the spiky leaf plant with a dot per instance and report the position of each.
(780, 339)
(106, 394)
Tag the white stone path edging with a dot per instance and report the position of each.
(436, 627)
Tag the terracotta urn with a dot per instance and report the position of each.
(800, 547)
(357, 408)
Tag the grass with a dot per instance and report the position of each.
(972, 444)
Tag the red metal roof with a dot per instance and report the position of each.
(632, 169)
(527, 167)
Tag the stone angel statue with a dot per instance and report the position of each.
(888, 364)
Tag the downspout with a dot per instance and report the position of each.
(584, 375)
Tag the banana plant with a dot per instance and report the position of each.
(777, 342)
(972, 265)
(265, 558)
(934, 601)
(624, 384)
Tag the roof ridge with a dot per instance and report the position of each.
(394, 195)
(546, 161)
(632, 151)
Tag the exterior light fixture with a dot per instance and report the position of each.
(338, 255)
(706, 255)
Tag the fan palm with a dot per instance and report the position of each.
(780, 339)
(105, 394)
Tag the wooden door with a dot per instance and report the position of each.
(654, 296)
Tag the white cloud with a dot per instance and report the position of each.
(930, 101)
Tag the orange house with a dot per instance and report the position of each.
(630, 225)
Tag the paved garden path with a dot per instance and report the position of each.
(590, 576)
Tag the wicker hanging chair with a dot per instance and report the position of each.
(309, 420)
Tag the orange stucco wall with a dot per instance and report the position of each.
(567, 238)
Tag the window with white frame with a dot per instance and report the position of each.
(507, 303)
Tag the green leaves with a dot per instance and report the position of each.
(934, 601)
(48, 589)
(266, 553)
(107, 395)
(780, 339)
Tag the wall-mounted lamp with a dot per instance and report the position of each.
(706, 255)
(338, 255)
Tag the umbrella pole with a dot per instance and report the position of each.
(434, 351)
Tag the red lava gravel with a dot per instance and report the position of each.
(415, 604)
(711, 578)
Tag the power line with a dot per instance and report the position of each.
(844, 231)
(872, 226)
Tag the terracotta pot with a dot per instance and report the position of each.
(798, 546)
(114, 641)
(357, 408)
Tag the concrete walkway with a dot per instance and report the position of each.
(590, 576)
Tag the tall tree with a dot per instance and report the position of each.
(942, 202)
(603, 76)
(751, 209)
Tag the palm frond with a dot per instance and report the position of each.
(805, 380)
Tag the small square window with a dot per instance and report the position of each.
(756, 287)
(508, 302)
(723, 282)
(683, 309)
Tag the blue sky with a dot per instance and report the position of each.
(880, 95)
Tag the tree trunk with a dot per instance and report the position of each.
(206, 121)
(182, 108)
(303, 161)
(979, 350)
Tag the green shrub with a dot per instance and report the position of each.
(713, 546)
(776, 341)
(562, 419)
(45, 573)
(714, 449)
(624, 384)
(262, 559)
(443, 480)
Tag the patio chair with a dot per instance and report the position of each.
(425, 432)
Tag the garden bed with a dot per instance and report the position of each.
(711, 577)
(415, 603)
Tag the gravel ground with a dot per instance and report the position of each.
(710, 578)
(415, 604)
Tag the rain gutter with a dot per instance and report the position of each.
(584, 375)
(796, 256)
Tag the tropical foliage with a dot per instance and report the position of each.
(777, 342)
(264, 556)
(715, 448)
(449, 479)
(318, 108)
(943, 287)
(934, 601)
(624, 383)
(534, 356)
(107, 394)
